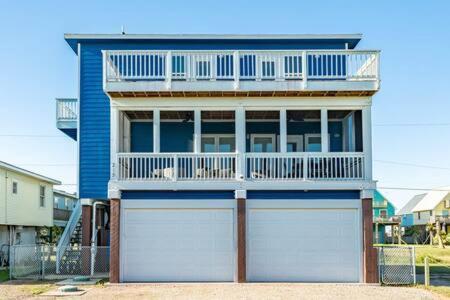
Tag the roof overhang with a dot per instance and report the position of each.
(28, 173)
(64, 193)
(73, 39)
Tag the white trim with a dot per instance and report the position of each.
(249, 103)
(156, 130)
(367, 140)
(263, 135)
(324, 130)
(197, 131)
(21, 171)
(78, 118)
(65, 194)
(241, 141)
(293, 138)
(283, 131)
(244, 184)
(114, 139)
(78, 36)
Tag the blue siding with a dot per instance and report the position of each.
(350, 194)
(71, 132)
(141, 136)
(94, 104)
(407, 220)
(94, 126)
(178, 195)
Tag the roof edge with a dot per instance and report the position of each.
(28, 173)
(211, 36)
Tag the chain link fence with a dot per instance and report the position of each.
(397, 265)
(39, 262)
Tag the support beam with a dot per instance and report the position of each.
(283, 131)
(367, 141)
(86, 229)
(324, 129)
(370, 272)
(114, 258)
(156, 131)
(197, 131)
(241, 250)
(240, 142)
(114, 139)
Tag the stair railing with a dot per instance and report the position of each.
(64, 241)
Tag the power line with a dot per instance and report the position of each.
(32, 135)
(410, 164)
(412, 124)
(48, 165)
(411, 189)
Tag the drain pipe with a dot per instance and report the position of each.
(94, 234)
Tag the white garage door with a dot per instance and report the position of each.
(177, 240)
(310, 241)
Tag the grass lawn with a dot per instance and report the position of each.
(4, 275)
(441, 290)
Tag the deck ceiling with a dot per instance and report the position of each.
(153, 94)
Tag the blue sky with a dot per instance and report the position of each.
(37, 66)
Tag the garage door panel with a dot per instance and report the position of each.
(296, 244)
(173, 244)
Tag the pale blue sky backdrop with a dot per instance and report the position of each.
(414, 36)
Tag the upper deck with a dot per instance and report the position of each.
(132, 73)
(231, 65)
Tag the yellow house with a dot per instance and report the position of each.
(26, 204)
(435, 205)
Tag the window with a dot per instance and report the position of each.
(218, 143)
(41, 196)
(263, 142)
(418, 215)
(447, 203)
(15, 186)
(268, 68)
(313, 143)
(383, 213)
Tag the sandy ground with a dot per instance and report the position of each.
(25, 290)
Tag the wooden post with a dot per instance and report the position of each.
(86, 231)
(370, 254)
(427, 271)
(241, 251)
(114, 258)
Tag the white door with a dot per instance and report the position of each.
(177, 240)
(303, 240)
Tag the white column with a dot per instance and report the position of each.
(283, 131)
(240, 142)
(324, 129)
(197, 131)
(114, 140)
(156, 131)
(367, 141)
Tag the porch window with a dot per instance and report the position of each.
(313, 143)
(263, 142)
(383, 213)
(218, 143)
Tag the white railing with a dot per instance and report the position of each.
(64, 241)
(224, 166)
(149, 65)
(66, 109)
(306, 166)
(176, 166)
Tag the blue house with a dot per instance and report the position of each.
(215, 157)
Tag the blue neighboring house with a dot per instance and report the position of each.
(215, 157)
(383, 216)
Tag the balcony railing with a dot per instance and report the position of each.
(147, 70)
(232, 166)
(66, 109)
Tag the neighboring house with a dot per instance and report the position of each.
(427, 208)
(225, 157)
(383, 216)
(63, 205)
(26, 205)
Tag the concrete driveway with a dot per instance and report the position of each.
(235, 291)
